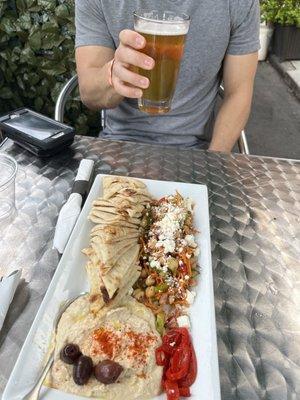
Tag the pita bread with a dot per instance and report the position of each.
(110, 214)
(125, 192)
(124, 224)
(120, 206)
(97, 302)
(121, 181)
(94, 278)
(114, 249)
(115, 234)
(109, 254)
(141, 199)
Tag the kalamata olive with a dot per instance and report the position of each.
(82, 370)
(70, 353)
(107, 371)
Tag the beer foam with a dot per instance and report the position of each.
(169, 28)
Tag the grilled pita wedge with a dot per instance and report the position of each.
(114, 248)
(113, 234)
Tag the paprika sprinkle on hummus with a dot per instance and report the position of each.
(111, 343)
(107, 342)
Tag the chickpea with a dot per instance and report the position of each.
(150, 291)
(138, 294)
(161, 260)
(150, 281)
(171, 299)
(144, 273)
(144, 223)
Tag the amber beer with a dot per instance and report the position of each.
(165, 39)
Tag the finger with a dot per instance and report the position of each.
(126, 91)
(132, 39)
(130, 77)
(127, 55)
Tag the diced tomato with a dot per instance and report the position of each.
(172, 390)
(183, 268)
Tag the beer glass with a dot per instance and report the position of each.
(165, 33)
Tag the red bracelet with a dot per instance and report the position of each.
(110, 71)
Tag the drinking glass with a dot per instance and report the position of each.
(165, 33)
(8, 171)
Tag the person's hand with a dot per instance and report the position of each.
(126, 82)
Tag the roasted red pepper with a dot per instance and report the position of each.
(177, 356)
(160, 356)
(179, 363)
(171, 341)
(185, 392)
(172, 390)
(190, 378)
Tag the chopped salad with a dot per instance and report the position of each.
(168, 259)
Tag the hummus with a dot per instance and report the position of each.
(126, 335)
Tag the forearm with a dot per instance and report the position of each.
(95, 91)
(230, 121)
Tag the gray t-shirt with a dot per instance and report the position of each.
(218, 27)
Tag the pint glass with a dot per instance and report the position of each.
(165, 34)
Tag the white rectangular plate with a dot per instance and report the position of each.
(70, 279)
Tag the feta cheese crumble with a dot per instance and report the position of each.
(183, 321)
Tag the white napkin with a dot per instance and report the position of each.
(8, 286)
(70, 211)
(66, 221)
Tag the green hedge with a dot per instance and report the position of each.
(283, 12)
(37, 58)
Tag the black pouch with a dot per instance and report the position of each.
(35, 132)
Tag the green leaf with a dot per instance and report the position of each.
(47, 5)
(21, 5)
(30, 4)
(35, 40)
(27, 56)
(24, 22)
(6, 93)
(8, 26)
(51, 40)
(38, 103)
(62, 11)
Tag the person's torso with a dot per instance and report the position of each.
(199, 76)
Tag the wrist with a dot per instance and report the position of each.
(220, 148)
(110, 72)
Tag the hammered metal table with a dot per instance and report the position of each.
(255, 230)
